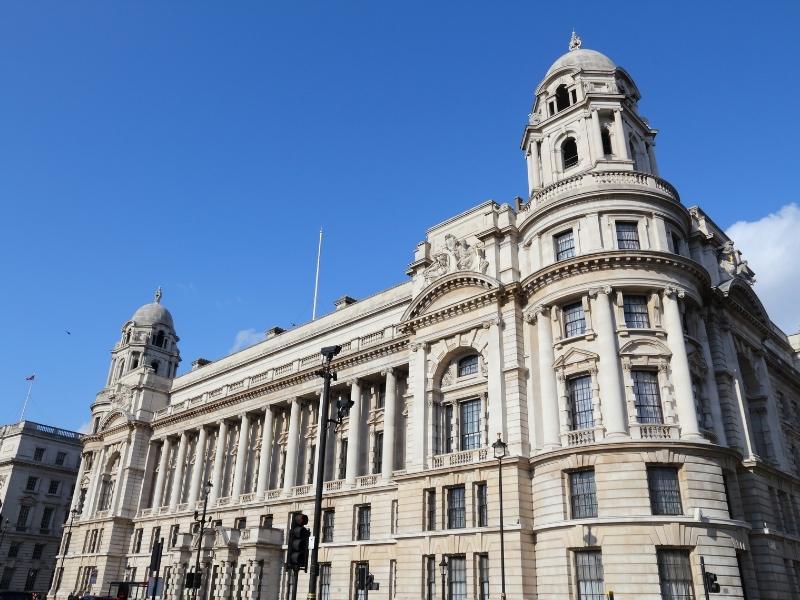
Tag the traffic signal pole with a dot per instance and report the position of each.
(324, 409)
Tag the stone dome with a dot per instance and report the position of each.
(580, 58)
(153, 313)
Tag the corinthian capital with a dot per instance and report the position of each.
(603, 289)
(532, 314)
(673, 292)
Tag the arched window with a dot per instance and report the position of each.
(569, 153)
(134, 360)
(160, 339)
(632, 147)
(468, 365)
(606, 139)
(562, 98)
(154, 364)
(121, 371)
(128, 337)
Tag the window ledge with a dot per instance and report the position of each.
(589, 335)
(653, 331)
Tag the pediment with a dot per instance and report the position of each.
(113, 419)
(743, 295)
(450, 290)
(645, 348)
(575, 356)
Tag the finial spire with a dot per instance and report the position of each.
(158, 295)
(574, 41)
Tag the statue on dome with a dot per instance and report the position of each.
(574, 42)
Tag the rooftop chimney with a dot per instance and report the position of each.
(274, 332)
(344, 302)
(200, 362)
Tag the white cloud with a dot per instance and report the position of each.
(86, 427)
(245, 338)
(771, 247)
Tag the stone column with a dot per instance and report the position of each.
(219, 462)
(162, 473)
(177, 480)
(496, 384)
(547, 378)
(651, 155)
(199, 466)
(608, 374)
(265, 458)
(290, 468)
(778, 444)
(354, 433)
(711, 383)
(389, 418)
(241, 457)
(619, 135)
(548, 175)
(679, 365)
(534, 175)
(596, 134)
(416, 447)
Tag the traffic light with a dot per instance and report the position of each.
(297, 552)
(711, 583)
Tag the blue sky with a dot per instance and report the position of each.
(200, 146)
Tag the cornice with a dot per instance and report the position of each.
(611, 260)
(276, 385)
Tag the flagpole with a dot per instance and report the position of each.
(27, 397)
(316, 278)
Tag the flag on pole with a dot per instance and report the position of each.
(31, 377)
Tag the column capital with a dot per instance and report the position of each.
(388, 371)
(496, 320)
(606, 290)
(532, 314)
(673, 292)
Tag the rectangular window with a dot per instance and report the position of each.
(392, 579)
(38, 454)
(377, 453)
(583, 494)
(430, 578)
(676, 242)
(564, 245)
(312, 457)
(362, 522)
(447, 429)
(173, 536)
(22, 517)
(634, 309)
(137, 540)
(646, 397)
(627, 235)
(482, 504)
(589, 575)
(360, 572)
(380, 398)
(675, 574)
(154, 537)
(342, 471)
(8, 575)
(665, 493)
(67, 540)
(470, 424)
(456, 508)
(324, 581)
(13, 549)
(580, 401)
(574, 320)
(457, 578)
(468, 365)
(328, 519)
(30, 485)
(483, 577)
(47, 517)
(430, 510)
(53, 487)
(37, 551)
(266, 521)
(61, 457)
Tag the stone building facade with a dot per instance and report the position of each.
(38, 467)
(607, 332)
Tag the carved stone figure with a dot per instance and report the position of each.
(458, 255)
(730, 261)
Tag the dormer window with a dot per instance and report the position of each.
(569, 153)
(468, 365)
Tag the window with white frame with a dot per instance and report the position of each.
(363, 515)
(457, 577)
(627, 235)
(646, 396)
(564, 243)
(589, 575)
(456, 507)
(675, 574)
(483, 577)
(579, 390)
(470, 424)
(665, 491)
(634, 308)
(582, 494)
(574, 320)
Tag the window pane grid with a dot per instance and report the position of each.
(665, 494)
(583, 494)
(363, 523)
(471, 425)
(456, 508)
(468, 365)
(635, 310)
(457, 578)
(324, 582)
(565, 245)
(675, 575)
(589, 571)
(580, 398)
(627, 236)
(646, 397)
(483, 576)
(574, 320)
(483, 505)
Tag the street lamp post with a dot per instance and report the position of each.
(443, 570)
(60, 573)
(327, 375)
(499, 453)
(202, 522)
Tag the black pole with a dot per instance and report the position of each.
(444, 586)
(294, 584)
(502, 533)
(195, 582)
(703, 573)
(158, 566)
(322, 423)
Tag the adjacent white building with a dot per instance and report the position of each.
(38, 467)
(609, 333)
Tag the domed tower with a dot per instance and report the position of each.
(585, 117)
(148, 340)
